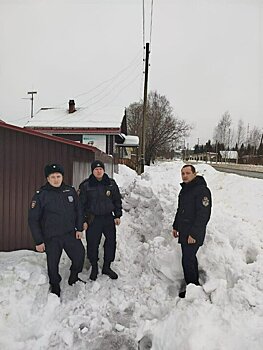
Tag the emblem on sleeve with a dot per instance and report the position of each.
(33, 204)
(70, 199)
(108, 193)
(205, 201)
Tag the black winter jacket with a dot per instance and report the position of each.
(100, 197)
(194, 210)
(54, 211)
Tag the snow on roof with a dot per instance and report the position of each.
(81, 118)
(129, 140)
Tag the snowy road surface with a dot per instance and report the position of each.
(226, 313)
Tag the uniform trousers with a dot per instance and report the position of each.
(74, 250)
(101, 224)
(190, 263)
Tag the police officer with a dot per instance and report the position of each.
(101, 201)
(56, 221)
(192, 216)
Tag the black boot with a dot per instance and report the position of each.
(106, 270)
(182, 294)
(73, 278)
(55, 289)
(94, 272)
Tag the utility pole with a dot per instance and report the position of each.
(143, 132)
(32, 101)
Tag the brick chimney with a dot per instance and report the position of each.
(71, 106)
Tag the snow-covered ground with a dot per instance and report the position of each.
(226, 313)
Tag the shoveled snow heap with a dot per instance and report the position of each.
(142, 305)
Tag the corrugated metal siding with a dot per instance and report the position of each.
(22, 160)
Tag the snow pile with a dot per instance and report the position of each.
(142, 305)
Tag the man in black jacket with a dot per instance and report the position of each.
(56, 221)
(192, 216)
(101, 202)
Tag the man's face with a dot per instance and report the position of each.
(55, 179)
(187, 174)
(98, 173)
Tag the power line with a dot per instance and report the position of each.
(114, 98)
(143, 24)
(130, 65)
(151, 23)
(122, 88)
(113, 87)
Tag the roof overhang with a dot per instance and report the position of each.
(59, 130)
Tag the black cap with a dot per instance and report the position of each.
(97, 164)
(53, 168)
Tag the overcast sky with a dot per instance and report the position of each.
(206, 57)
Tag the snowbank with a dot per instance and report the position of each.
(142, 305)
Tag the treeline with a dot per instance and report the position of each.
(243, 150)
(245, 140)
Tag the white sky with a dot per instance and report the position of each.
(206, 57)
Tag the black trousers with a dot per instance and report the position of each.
(190, 263)
(74, 250)
(101, 224)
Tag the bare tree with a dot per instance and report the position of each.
(241, 133)
(223, 133)
(254, 138)
(163, 130)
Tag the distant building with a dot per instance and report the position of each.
(229, 156)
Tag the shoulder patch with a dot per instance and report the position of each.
(205, 201)
(33, 204)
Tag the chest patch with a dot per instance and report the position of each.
(205, 201)
(70, 199)
(108, 193)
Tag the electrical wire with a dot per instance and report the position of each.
(114, 98)
(143, 24)
(151, 25)
(91, 112)
(130, 65)
(112, 88)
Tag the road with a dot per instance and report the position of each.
(255, 174)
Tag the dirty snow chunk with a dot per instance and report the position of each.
(23, 274)
(84, 330)
(157, 241)
(106, 324)
(119, 327)
(211, 285)
(195, 292)
(38, 278)
(96, 287)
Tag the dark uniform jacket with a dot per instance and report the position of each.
(194, 210)
(100, 197)
(54, 211)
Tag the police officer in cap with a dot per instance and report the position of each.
(56, 222)
(101, 201)
(192, 216)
